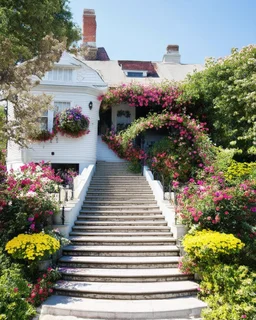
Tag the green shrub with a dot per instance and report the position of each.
(208, 245)
(14, 291)
(230, 292)
(238, 171)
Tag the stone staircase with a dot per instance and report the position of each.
(123, 260)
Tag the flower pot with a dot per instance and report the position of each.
(43, 265)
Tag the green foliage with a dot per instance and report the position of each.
(238, 171)
(229, 291)
(14, 290)
(3, 141)
(26, 23)
(225, 95)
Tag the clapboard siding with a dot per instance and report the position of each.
(66, 149)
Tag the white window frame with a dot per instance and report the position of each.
(58, 75)
(144, 73)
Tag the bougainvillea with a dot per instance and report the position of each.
(129, 153)
(26, 202)
(71, 122)
(217, 207)
(188, 145)
(163, 96)
(43, 287)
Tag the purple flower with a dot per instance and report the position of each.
(253, 209)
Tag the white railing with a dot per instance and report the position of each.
(72, 202)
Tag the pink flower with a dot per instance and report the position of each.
(15, 289)
(243, 316)
(226, 212)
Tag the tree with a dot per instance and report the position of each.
(33, 35)
(225, 93)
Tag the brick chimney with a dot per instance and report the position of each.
(89, 28)
(172, 55)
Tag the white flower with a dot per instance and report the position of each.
(31, 194)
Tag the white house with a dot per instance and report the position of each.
(79, 80)
(71, 83)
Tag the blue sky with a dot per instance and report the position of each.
(142, 29)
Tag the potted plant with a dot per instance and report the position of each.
(72, 122)
(34, 248)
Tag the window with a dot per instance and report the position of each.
(59, 74)
(135, 74)
(43, 121)
(61, 106)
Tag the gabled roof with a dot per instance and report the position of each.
(67, 60)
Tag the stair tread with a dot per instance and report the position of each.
(128, 288)
(120, 227)
(122, 306)
(120, 223)
(130, 208)
(120, 234)
(122, 248)
(109, 217)
(123, 211)
(120, 239)
(122, 272)
(132, 202)
(125, 260)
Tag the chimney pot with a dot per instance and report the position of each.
(172, 47)
(172, 55)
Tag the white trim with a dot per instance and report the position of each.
(73, 207)
(165, 206)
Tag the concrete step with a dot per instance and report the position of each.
(121, 229)
(128, 208)
(121, 251)
(118, 212)
(121, 223)
(117, 193)
(131, 202)
(117, 178)
(121, 234)
(103, 309)
(123, 198)
(125, 187)
(119, 262)
(124, 275)
(105, 290)
(122, 241)
(122, 218)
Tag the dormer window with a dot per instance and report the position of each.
(59, 74)
(136, 73)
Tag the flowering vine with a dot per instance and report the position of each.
(164, 95)
(187, 145)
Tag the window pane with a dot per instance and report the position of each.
(61, 106)
(43, 123)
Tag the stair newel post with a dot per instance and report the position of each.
(62, 200)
